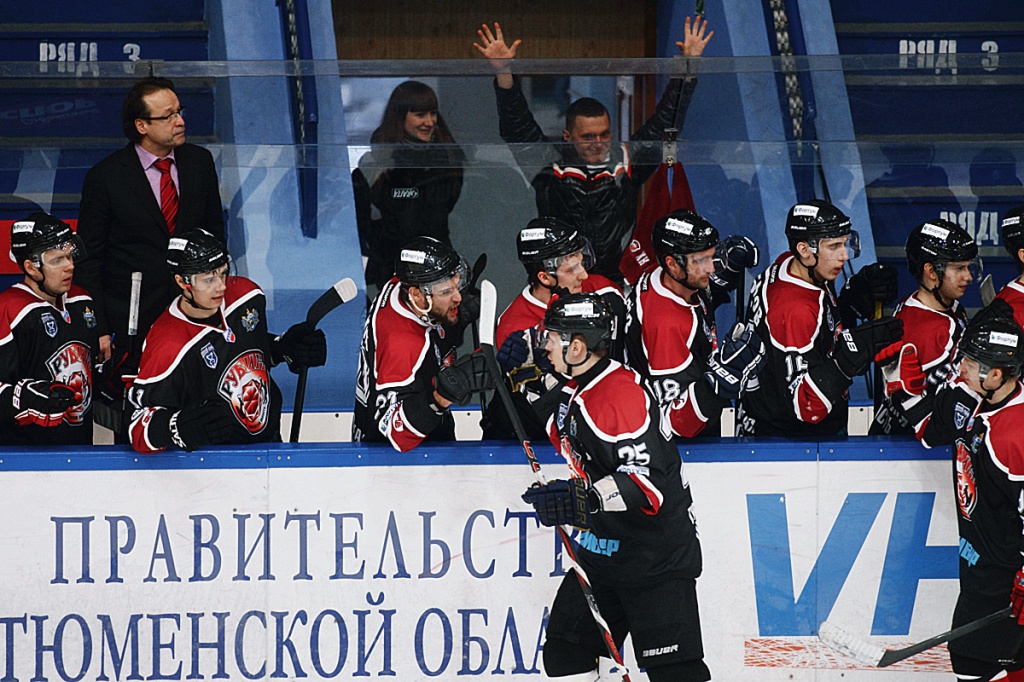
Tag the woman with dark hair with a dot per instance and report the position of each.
(408, 183)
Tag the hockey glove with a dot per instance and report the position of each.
(875, 283)
(111, 375)
(42, 403)
(468, 375)
(1017, 597)
(561, 502)
(735, 361)
(301, 346)
(902, 370)
(469, 308)
(856, 348)
(731, 258)
(202, 424)
(514, 351)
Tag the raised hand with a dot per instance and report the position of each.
(492, 46)
(694, 40)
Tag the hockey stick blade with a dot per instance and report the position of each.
(986, 290)
(342, 292)
(877, 657)
(488, 313)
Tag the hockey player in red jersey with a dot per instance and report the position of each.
(980, 414)
(408, 376)
(557, 259)
(802, 389)
(943, 258)
(670, 333)
(204, 377)
(47, 340)
(627, 493)
(1013, 240)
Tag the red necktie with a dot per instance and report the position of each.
(168, 193)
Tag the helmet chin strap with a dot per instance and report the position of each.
(422, 313)
(685, 281)
(565, 355)
(935, 291)
(192, 299)
(983, 371)
(811, 270)
(41, 283)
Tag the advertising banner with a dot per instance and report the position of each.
(345, 561)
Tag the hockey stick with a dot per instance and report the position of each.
(478, 269)
(342, 292)
(987, 291)
(488, 312)
(865, 652)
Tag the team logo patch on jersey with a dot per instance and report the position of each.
(49, 324)
(209, 355)
(250, 319)
(245, 384)
(966, 488)
(229, 334)
(960, 415)
(71, 365)
(66, 314)
(90, 318)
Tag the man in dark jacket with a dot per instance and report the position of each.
(587, 182)
(134, 201)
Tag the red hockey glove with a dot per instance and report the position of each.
(42, 403)
(904, 372)
(1017, 597)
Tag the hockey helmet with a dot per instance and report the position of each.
(196, 252)
(680, 233)
(546, 241)
(1013, 233)
(939, 242)
(37, 234)
(585, 314)
(810, 221)
(994, 339)
(426, 262)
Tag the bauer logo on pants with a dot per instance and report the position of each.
(245, 384)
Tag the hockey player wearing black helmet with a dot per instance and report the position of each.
(671, 338)
(979, 415)
(943, 258)
(627, 494)
(204, 377)
(408, 376)
(557, 259)
(48, 340)
(1013, 240)
(802, 389)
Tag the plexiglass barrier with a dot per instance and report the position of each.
(892, 140)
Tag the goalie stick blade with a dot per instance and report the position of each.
(342, 292)
(488, 312)
(845, 643)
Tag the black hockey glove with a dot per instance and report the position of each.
(42, 403)
(514, 351)
(856, 348)
(735, 361)
(732, 256)
(202, 424)
(466, 376)
(875, 283)
(301, 346)
(561, 502)
(110, 376)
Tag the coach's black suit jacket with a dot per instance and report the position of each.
(123, 230)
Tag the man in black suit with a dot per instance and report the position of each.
(130, 211)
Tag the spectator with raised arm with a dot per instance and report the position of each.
(587, 181)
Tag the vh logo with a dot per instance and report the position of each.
(908, 560)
